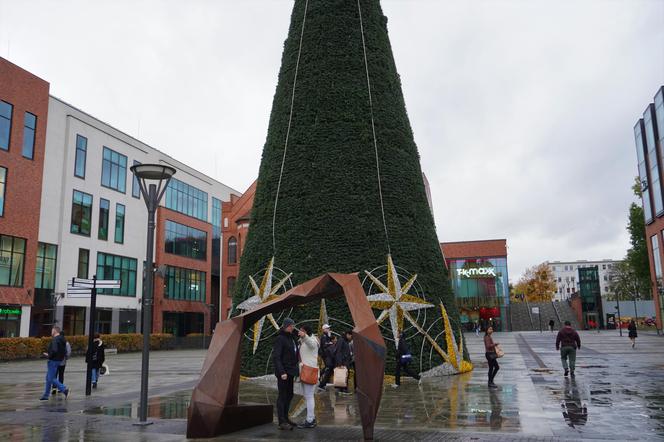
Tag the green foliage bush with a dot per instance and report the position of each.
(329, 210)
(32, 348)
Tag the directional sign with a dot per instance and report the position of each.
(101, 283)
(78, 292)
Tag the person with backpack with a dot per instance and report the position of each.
(95, 358)
(404, 357)
(568, 341)
(55, 353)
(632, 332)
(63, 364)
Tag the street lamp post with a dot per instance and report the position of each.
(152, 194)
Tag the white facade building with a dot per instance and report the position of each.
(566, 274)
(87, 163)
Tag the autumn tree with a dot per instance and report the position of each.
(627, 284)
(537, 283)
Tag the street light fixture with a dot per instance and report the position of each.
(152, 194)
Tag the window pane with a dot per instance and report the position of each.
(81, 214)
(114, 170)
(135, 187)
(186, 199)
(119, 223)
(104, 207)
(3, 182)
(118, 267)
(83, 263)
(81, 156)
(29, 128)
(5, 124)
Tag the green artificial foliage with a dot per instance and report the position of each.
(329, 210)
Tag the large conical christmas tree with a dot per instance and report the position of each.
(334, 197)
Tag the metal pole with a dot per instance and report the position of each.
(636, 315)
(539, 315)
(91, 334)
(619, 320)
(147, 304)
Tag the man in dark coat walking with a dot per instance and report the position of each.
(327, 351)
(568, 341)
(403, 361)
(285, 360)
(56, 352)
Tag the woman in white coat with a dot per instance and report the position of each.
(308, 356)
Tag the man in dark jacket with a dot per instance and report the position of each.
(403, 361)
(284, 358)
(55, 353)
(326, 351)
(95, 357)
(343, 356)
(568, 341)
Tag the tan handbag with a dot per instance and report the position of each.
(499, 351)
(309, 375)
(341, 377)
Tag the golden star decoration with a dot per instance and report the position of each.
(265, 293)
(394, 300)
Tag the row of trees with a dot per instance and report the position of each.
(630, 278)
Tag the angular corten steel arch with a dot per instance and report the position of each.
(214, 407)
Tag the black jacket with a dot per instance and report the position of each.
(343, 355)
(57, 349)
(327, 350)
(284, 355)
(402, 349)
(95, 356)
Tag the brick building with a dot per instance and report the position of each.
(24, 263)
(237, 217)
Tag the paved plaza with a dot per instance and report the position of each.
(618, 394)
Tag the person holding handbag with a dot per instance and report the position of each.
(308, 372)
(491, 356)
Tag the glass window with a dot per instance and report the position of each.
(127, 321)
(185, 284)
(47, 255)
(119, 223)
(29, 129)
(10, 321)
(81, 213)
(652, 160)
(104, 210)
(73, 321)
(83, 263)
(186, 199)
(81, 156)
(657, 260)
(232, 250)
(659, 114)
(135, 187)
(3, 185)
(6, 110)
(231, 285)
(216, 213)
(643, 171)
(12, 260)
(185, 241)
(103, 320)
(114, 170)
(117, 267)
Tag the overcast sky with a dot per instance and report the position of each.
(522, 110)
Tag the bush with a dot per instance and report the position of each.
(32, 348)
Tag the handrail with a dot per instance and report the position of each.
(557, 313)
(530, 315)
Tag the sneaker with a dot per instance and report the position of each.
(94, 385)
(566, 373)
(66, 393)
(492, 385)
(53, 392)
(44, 398)
(572, 373)
(285, 426)
(307, 424)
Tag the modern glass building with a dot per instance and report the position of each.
(649, 141)
(479, 278)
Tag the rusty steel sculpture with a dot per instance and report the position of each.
(214, 407)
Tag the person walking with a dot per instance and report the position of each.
(284, 358)
(568, 341)
(326, 351)
(63, 364)
(95, 357)
(477, 328)
(404, 357)
(55, 353)
(632, 332)
(552, 324)
(343, 356)
(309, 358)
(491, 356)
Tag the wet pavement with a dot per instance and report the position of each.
(618, 394)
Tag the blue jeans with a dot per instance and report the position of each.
(52, 378)
(95, 375)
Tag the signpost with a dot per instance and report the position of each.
(537, 311)
(82, 288)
